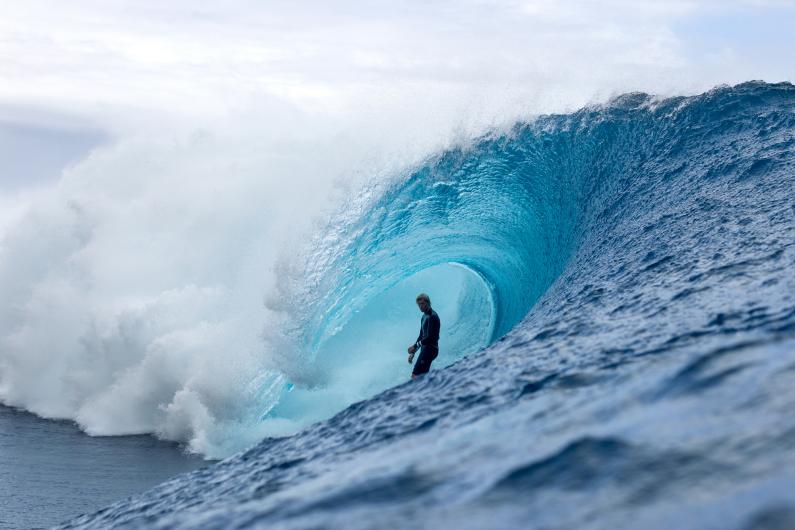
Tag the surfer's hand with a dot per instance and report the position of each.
(412, 349)
(411, 357)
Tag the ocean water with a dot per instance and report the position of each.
(51, 471)
(616, 287)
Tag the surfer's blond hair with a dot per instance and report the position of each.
(424, 298)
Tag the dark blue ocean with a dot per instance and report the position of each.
(50, 471)
(628, 307)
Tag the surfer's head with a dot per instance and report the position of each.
(424, 302)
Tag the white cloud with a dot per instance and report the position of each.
(203, 58)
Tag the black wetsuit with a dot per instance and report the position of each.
(428, 341)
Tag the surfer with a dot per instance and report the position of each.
(428, 340)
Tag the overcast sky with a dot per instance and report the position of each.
(90, 67)
(200, 56)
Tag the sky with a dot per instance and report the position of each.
(95, 69)
(88, 57)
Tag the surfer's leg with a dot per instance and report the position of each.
(423, 364)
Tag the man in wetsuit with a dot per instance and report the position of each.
(428, 341)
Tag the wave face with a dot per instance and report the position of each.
(629, 269)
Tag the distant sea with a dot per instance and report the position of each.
(50, 471)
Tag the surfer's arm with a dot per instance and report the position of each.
(413, 348)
